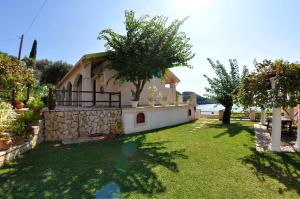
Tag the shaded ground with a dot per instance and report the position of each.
(198, 160)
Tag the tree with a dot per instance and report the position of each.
(54, 72)
(148, 48)
(224, 87)
(256, 90)
(14, 73)
(32, 54)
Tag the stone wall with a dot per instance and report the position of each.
(69, 123)
(15, 151)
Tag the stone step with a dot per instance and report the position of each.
(81, 140)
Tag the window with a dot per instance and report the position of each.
(190, 112)
(140, 118)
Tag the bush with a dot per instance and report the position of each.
(7, 116)
(27, 118)
(5, 106)
(35, 104)
(19, 129)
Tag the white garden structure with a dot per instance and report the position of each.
(276, 126)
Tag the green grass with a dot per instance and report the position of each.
(197, 160)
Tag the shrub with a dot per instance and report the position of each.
(27, 118)
(7, 116)
(19, 129)
(5, 106)
(35, 104)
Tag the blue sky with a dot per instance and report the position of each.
(219, 29)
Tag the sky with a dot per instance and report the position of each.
(219, 29)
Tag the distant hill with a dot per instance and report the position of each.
(200, 100)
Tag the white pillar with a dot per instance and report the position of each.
(297, 145)
(276, 130)
(263, 117)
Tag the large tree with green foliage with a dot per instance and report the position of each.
(224, 87)
(14, 73)
(53, 72)
(256, 90)
(149, 47)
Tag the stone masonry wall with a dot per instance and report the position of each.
(64, 124)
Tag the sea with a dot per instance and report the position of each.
(213, 109)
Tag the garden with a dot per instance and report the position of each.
(202, 159)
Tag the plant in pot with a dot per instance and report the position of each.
(176, 100)
(20, 98)
(164, 101)
(7, 115)
(154, 93)
(18, 132)
(29, 119)
(36, 105)
(51, 100)
(134, 103)
(5, 141)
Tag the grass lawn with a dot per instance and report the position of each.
(197, 160)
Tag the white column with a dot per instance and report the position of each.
(297, 145)
(263, 117)
(276, 130)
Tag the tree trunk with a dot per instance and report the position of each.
(138, 89)
(227, 114)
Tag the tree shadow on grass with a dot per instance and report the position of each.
(284, 167)
(232, 129)
(55, 171)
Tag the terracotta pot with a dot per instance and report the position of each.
(18, 140)
(51, 105)
(5, 143)
(19, 105)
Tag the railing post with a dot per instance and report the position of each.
(94, 97)
(120, 100)
(109, 100)
(13, 98)
(27, 93)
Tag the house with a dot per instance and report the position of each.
(91, 102)
(89, 79)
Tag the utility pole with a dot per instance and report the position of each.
(20, 48)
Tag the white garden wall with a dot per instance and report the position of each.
(155, 117)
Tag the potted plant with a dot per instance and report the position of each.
(19, 103)
(176, 100)
(7, 115)
(36, 105)
(5, 142)
(134, 103)
(29, 119)
(19, 131)
(51, 100)
(154, 93)
(164, 101)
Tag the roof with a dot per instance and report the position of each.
(170, 77)
(84, 58)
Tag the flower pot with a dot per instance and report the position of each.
(51, 105)
(5, 143)
(19, 105)
(18, 140)
(152, 103)
(134, 104)
(164, 103)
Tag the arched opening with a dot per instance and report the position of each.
(140, 118)
(78, 88)
(190, 112)
(62, 96)
(69, 94)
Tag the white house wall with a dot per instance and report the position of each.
(155, 117)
